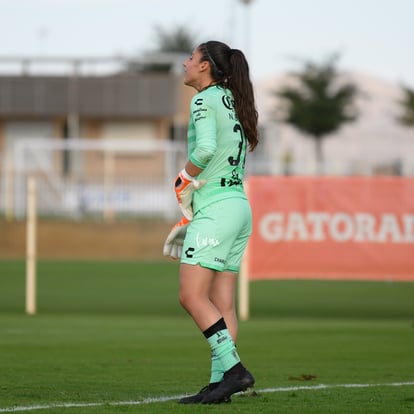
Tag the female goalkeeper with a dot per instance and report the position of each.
(212, 236)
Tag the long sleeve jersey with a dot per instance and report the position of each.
(217, 144)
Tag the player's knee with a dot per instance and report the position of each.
(185, 300)
(189, 301)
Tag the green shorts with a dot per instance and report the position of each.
(218, 235)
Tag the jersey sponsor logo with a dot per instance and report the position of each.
(218, 259)
(198, 101)
(199, 113)
(230, 182)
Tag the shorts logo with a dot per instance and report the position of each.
(203, 241)
(188, 252)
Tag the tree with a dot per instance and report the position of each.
(320, 103)
(407, 104)
(176, 40)
(168, 44)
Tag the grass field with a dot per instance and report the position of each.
(111, 337)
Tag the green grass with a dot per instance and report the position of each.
(110, 332)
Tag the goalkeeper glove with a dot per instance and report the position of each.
(184, 187)
(173, 245)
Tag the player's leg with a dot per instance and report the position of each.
(222, 294)
(195, 285)
(195, 288)
(235, 378)
(209, 241)
(223, 288)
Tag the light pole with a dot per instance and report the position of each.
(247, 26)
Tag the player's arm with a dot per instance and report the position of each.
(204, 116)
(206, 144)
(192, 170)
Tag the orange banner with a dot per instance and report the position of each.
(331, 228)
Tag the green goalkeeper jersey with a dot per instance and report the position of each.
(217, 144)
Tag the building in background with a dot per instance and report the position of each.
(65, 104)
(123, 104)
(108, 135)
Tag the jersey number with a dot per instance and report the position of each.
(236, 161)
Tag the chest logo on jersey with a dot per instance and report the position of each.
(228, 102)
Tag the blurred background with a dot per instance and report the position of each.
(92, 104)
(93, 110)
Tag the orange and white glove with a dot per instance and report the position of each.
(184, 187)
(173, 245)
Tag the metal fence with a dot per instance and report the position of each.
(114, 179)
(92, 178)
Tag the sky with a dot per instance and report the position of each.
(374, 37)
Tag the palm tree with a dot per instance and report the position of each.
(320, 104)
(407, 104)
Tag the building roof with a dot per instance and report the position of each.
(127, 95)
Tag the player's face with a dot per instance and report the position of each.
(193, 68)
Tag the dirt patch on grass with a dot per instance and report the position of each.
(68, 239)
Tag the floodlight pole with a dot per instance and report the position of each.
(247, 26)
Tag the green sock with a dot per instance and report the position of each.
(222, 346)
(217, 370)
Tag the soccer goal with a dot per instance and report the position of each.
(107, 178)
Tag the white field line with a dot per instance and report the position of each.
(177, 397)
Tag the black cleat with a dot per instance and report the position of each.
(232, 383)
(198, 398)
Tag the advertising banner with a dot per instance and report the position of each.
(331, 228)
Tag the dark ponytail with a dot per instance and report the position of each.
(230, 69)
